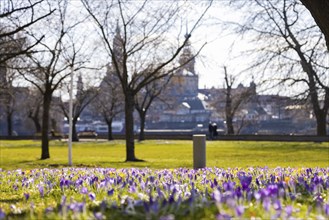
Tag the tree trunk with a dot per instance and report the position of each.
(141, 136)
(319, 10)
(109, 132)
(228, 103)
(34, 116)
(9, 123)
(321, 119)
(229, 124)
(45, 127)
(228, 110)
(75, 137)
(129, 127)
(320, 113)
(36, 124)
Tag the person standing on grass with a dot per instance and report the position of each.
(214, 130)
(211, 131)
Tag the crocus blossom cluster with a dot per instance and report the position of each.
(211, 193)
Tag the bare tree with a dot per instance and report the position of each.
(17, 16)
(290, 45)
(320, 12)
(229, 111)
(83, 98)
(34, 109)
(144, 44)
(58, 55)
(8, 99)
(12, 95)
(234, 100)
(110, 102)
(144, 100)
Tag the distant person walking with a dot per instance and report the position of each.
(211, 131)
(214, 130)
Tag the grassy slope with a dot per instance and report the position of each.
(166, 154)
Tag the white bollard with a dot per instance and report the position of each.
(199, 151)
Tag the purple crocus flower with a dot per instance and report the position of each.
(228, 186)
(239, 210)
(159, 192)
(2, 214)
(301, 180)
(76, 207)
(265, 193)
(326, 209)
(308, 171)
(110, 192)
(62, 183)
(92, 196)
(217, 196)
(238, 192)
(63, 201)
(154, 207)
(257, 195)
(273, 190)
(84, 190)
(289, 210)
(132, 189)
(223, 217)
(257, 182)
(79, 182)
(93, 180)
(98, 216)
(73, 207)
(277, 205)
(267, 204)
(171, 199)
(67, 182)
(103, 206)
(15, 186)
(318, 199)
(215, 182)
(49, 210)
(27, 196)
(245, 181)
(81, 206)
(146, 206)
(41, 191)
(316, 180)
(151, 179)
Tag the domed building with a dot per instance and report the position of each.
(182, 108)
(185, 81)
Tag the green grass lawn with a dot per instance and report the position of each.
(161, 154)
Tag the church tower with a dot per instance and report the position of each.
(187, 59)
(79, 86)
(252, 86)
(185, 81)
(111, 77)
(117, 44)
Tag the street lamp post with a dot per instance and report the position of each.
(70, 119)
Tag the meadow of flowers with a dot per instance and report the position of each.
(210, 193)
